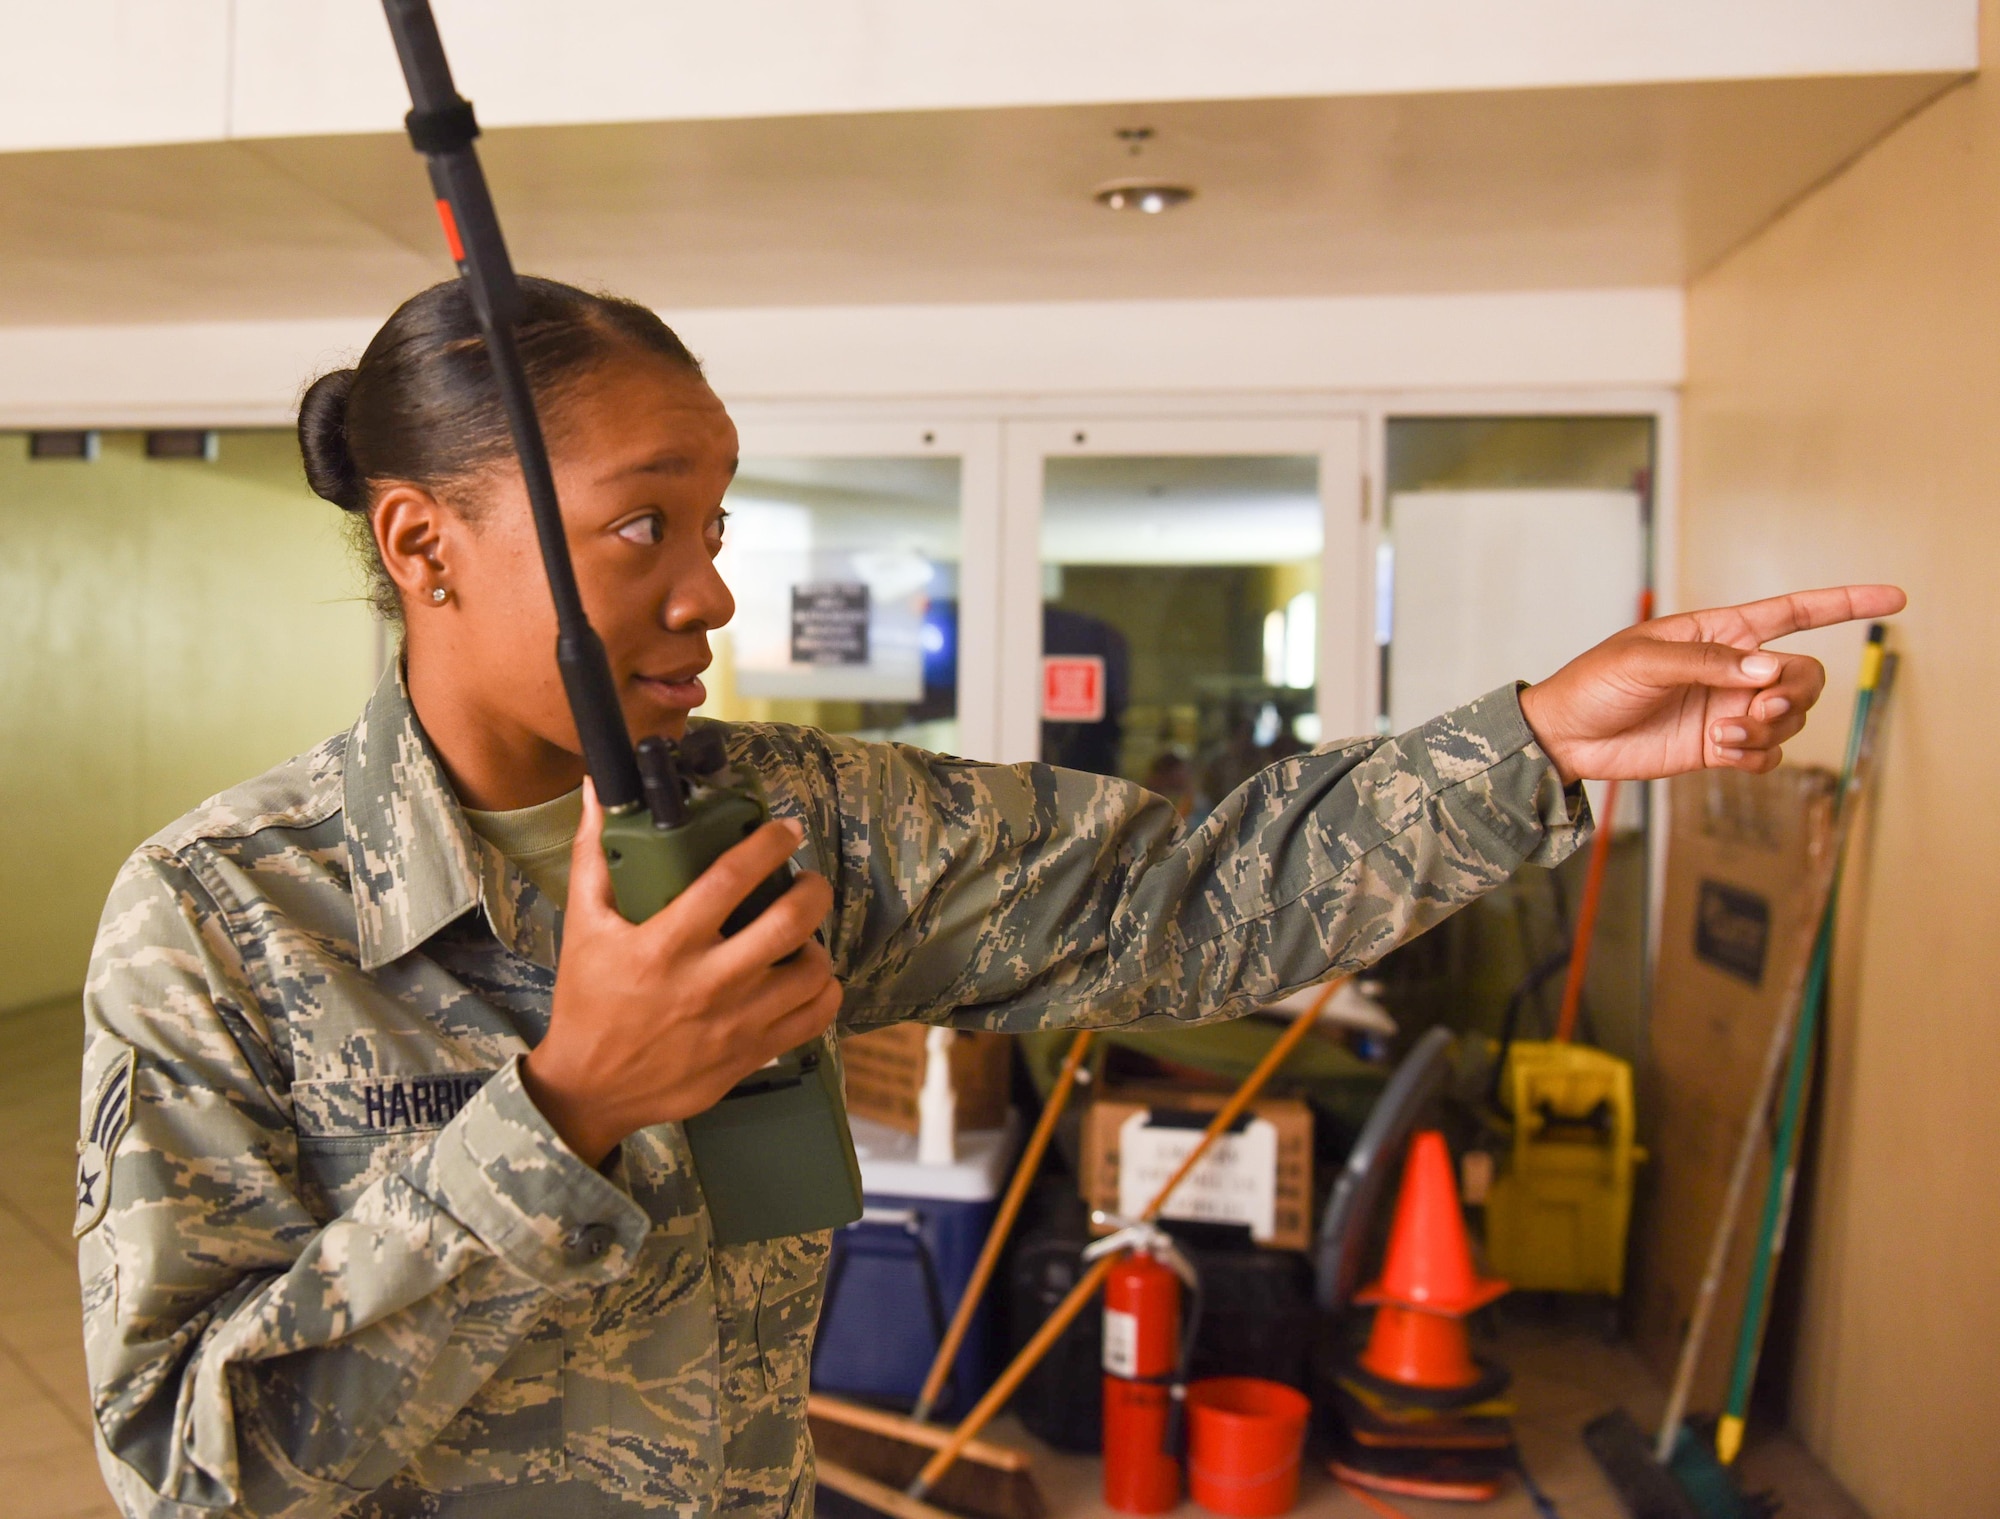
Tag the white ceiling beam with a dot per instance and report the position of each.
(110, 72)
(251, 373)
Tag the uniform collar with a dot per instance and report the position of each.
(414, 862)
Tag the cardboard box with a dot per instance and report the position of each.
(884, 1069)
(1733, 926)
(1261, 1174)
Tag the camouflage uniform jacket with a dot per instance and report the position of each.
(335, 1261)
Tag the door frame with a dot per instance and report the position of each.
(1336, 440)
(836, 419)
(1663, 405)
(976, 445)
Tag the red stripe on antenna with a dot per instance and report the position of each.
(451, 232)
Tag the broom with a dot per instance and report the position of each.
(1677, 1476)
(1867, 722)
(1875, 667)
(859, 1439)
(1080, 1295)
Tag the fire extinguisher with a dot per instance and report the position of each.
(1146, 1347)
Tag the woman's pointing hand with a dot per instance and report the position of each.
(1693, 691)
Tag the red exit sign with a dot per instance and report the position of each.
(1073, 688)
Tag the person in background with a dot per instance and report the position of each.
(382, 1203)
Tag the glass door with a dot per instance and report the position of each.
(1184, 599)
(860, 559)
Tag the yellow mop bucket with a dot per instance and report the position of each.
(1559, 1208)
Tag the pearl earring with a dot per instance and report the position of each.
(439, 594)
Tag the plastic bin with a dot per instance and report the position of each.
(896, 1275)
(1245, 1437)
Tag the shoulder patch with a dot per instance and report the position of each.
(105, 1118)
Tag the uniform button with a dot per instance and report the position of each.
(587, 1242)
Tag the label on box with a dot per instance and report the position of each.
(1236, 1182)
(1732, 930)
(1121, 1343)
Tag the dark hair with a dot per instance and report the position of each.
(420, 405)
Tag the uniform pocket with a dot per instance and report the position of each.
(354, 1131)
(335, 1169)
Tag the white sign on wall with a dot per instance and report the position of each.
(822, 621)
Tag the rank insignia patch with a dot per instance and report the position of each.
(105, 1119)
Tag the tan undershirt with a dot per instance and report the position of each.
(536, 840)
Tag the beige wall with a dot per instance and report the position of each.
(166, 629)
(1843, 421)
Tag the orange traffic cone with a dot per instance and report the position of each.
(1430, 1258)
(1427, 1284)
(1412, 1348)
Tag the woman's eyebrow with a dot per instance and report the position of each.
(661, 464)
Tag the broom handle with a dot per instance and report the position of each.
(1798, 1075)
(1586, 919)
(1003, 1224)
(1246, 1094)
(1593, 891)
(1819, 891)
(1079, 1296)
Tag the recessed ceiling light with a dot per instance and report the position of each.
(1149, 197)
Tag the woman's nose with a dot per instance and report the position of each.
(700, 599)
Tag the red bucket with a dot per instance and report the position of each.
(1245, 1437)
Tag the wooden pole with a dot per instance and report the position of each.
(1593, 891)
(1816, 893)
(1586, 919)
(1003, 1224)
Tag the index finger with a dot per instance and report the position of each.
(705, 906)
(1794, 613)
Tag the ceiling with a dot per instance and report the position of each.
(1541, 189)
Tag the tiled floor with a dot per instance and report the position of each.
(1564, 1373)
(47, 1467)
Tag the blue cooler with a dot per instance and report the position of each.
(897, 1274)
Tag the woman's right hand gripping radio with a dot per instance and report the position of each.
(654, 1022)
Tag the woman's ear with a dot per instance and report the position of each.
(416, 535)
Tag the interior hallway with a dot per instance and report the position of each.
(1564, 1372)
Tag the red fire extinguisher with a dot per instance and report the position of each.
(1144, 1368)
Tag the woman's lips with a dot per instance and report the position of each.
(685, 693)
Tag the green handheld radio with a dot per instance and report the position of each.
(775, 1156)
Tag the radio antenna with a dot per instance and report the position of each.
(442, 128)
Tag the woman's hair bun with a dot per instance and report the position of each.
(330, 467)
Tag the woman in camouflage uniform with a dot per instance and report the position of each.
(382, 1204)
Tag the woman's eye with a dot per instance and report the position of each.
(715, 531)
(647, 529)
